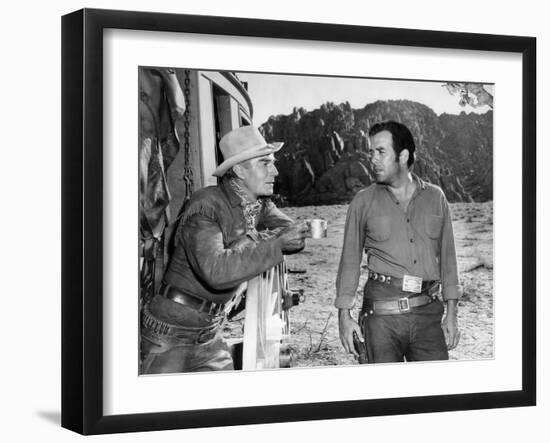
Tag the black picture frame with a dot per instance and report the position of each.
(82, 218)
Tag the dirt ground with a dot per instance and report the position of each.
(314, 326)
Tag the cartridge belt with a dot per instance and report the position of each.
(184, 334)
(396, 282)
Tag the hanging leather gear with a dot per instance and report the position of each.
(161, 103)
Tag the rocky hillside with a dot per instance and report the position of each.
(325, 157)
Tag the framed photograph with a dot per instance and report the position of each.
(247, 204)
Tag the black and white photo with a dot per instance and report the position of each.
(282, 150)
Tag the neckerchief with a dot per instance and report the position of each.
(251, 209)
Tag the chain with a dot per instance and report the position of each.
(187, 171)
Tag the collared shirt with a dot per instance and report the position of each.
(417, 242)
(217, 249)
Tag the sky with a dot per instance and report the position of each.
(274, 94)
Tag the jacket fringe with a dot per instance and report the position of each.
(202, 208)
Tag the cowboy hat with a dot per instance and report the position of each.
(243, 144)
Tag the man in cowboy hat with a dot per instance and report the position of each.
(228, 234)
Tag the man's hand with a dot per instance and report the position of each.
(450, 325)
(293, 236)
(348, 326)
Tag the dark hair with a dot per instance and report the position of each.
(401, 137)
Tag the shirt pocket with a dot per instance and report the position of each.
(378, 228)
(433, 226)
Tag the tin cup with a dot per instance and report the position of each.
(317, 228)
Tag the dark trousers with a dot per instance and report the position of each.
(413, 336)
(163, 355)
(178, 348)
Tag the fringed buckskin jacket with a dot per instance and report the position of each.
(222, 242)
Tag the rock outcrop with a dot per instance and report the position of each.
(325, 158)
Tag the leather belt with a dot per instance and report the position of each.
(200, 304)
(396, 282)
(402, 305)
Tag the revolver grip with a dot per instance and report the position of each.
(361, 349)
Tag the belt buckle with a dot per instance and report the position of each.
(403, 304)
